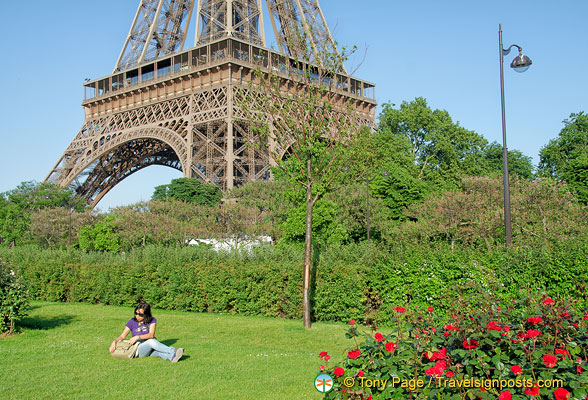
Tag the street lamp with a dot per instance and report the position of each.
(367, 200)
(521, 63)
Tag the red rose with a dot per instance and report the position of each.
(579, 369)
(492, 326)
(534, 391)
(505, 396)
(360, 373)
(535, 320)
(434, 371)
(449, 374)
(547, 301)
(430, 309)
(549, 360)
(437, 355)
(561, 394)
(352, 322)
(327, 358)
(400, 309)
(451, 328)
(441, 364)
(531, 334)
(515, 369)
(339, 371)
(447, 334)
(471, 345)
(354, 354)
(378, 336)
(562, 352)
(322, 354)
(390, 346)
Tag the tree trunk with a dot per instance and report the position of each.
(307, 250)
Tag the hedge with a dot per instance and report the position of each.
(358, 282)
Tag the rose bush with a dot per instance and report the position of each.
(13, 299)
(533, 348)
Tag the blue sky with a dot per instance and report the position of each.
(444, 51)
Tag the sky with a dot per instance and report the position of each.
(444, 51)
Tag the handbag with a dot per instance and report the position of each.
(124, 350)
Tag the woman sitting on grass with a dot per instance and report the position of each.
(142, 328)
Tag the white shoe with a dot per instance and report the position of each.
(177, 355)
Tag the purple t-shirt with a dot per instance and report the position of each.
(139, 328)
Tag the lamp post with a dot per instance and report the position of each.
(367, 200)
(521, 63)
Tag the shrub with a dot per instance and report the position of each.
(355, 281)
(100, 236)
(13, 299)
(528, 347)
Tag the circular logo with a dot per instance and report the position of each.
(323, 383)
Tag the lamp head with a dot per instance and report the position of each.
(521, 63)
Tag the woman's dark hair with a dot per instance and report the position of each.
(146, 310)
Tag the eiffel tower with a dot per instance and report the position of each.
(163, 105)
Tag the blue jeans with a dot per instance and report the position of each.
(154, 348)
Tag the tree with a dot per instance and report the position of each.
(32, 195)
(168, 222)
(190, 190)
(17, 205)
(14, 223)
(269, 199)
(443, 150)
(239, 221)
(398, 190)
(544, 212)
(301, 118)
(58, 226)
(518, 163)
(565, 158)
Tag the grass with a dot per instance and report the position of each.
(61, 352)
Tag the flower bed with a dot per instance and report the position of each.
(534, 348)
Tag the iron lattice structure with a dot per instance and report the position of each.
(182, 108)
(158, 29)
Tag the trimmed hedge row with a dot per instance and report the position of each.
(350, 282)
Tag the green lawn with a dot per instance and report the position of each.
(61, 352)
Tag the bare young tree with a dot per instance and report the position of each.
(307, 113)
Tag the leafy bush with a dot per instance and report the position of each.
(528, 347)
(13, 299)
(355, 281)
(327, 229)
(100, 236)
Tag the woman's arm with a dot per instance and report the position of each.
(145, 336)
(122, 336)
